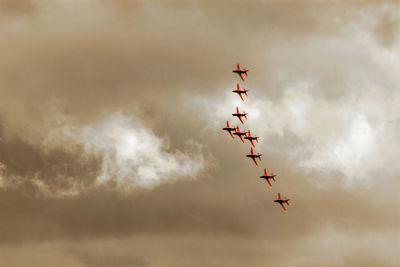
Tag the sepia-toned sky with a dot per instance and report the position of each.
(111, 148)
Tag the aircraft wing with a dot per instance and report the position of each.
(231, 134)
(241, 138)
(241, 96)
(240, 118)
(241, 77)
(269, 182)
(251, 141)
(238, 66)
(255, 161)
(283, 206)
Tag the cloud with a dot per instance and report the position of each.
(330, 244)
(342, 134)
(131, 153)
(137, 93)
(2, 179)
(17, 8)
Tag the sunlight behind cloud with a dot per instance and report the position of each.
(336, 134)
(131, 153)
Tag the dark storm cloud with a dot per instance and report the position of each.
(149, 61)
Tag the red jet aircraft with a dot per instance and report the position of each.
(268, 177)
(251, 138)
(254, 156)
(239, 115)
(239, 133)
(240, 72)
(229, 129)
(240, 92)
(281, 201)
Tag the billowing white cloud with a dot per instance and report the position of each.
(345, 133)
(131, 153)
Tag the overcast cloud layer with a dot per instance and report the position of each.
(112, 153)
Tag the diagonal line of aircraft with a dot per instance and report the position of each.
(246, 135)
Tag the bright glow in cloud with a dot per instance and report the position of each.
(340, 134)
(359, 142)
(131, 153)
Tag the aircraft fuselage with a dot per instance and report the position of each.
(229, 129)
(239, 91)
(281, 201)
(268, 177)
(253, 156)
(239, 133)
(240, 71)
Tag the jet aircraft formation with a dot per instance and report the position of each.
(246, 135)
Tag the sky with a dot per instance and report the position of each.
(111, 144)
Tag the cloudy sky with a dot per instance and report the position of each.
(111, 148)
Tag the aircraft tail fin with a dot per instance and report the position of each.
(245, 72)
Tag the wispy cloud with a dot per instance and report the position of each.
(131, 153)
